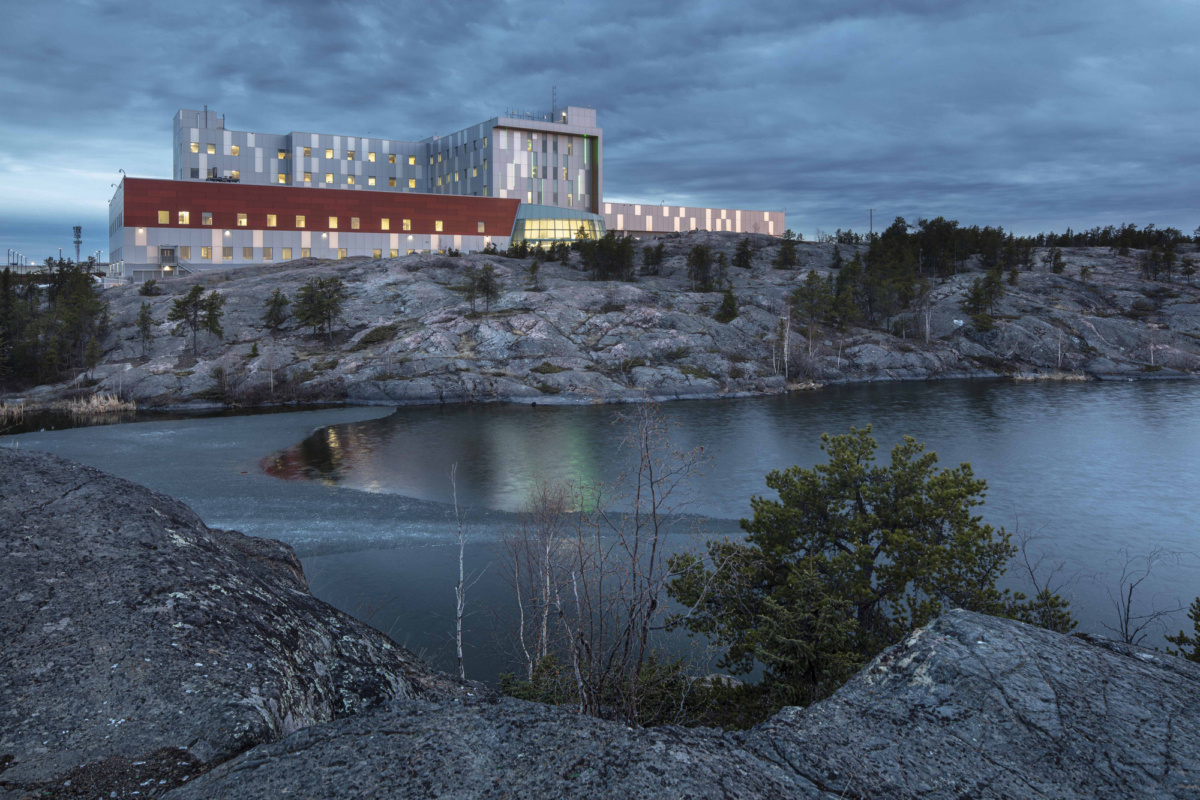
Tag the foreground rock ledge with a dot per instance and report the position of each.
(101, 574)
(137, 644)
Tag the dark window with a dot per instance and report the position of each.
(195, 172)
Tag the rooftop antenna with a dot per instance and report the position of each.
(78, 231)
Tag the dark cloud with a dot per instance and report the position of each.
(1031, 116)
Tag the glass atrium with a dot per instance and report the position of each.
(545, 224)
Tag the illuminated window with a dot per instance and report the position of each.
(354, 223)
(282, 156)
(376, 253)
(308, 152)
(206, 218)
(437, 225)
(247, 254)
(385, 224)
(485, 190)
(286, 255)
(371, 157)
(529, 143)
(485, 165)
(439, 158)
(329, 177)
(456, 175)
(350, 180)
(412, 161)
(164, 218)
(393, 253)
(570, 200)
(205, 252)
(308, 177)
(485, 141)
(430, 158)
(412, 183)
(227, 253)
(270, 220)
(564, 173)
(529, 197)
(195, 147)
(235, 174)
(282, 177)
(185, 252)
(268, 254)
(242, 220)
(391, 181)
(341, 252)
(371, 181)
(479, 226)
(184, 217)
(570, 147)
(534, 168)
(333, 223)
(299, 220)
(305, 252)
(474, 172)
(439, 180)
(407, 225)
(328, 153)
(212, 149)
(234, 150)
(392, 158)
(349, 155)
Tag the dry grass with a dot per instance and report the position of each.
(95, 404)
(1050, 376)
(11, 413)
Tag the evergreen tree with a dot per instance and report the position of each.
(532, 272)
(786, 257)
(1189, 644)
(812, 301)
(699, 268)
(276, 310)
(488, 286)
(319, 304)
(728, 310)
(194, 312)
(145, 328)
(469, 288)
(743, 257)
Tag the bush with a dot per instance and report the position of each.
(729, 309)
(546, 368)
(150, 288)
(383, 333)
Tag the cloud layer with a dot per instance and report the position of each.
(1028, 115)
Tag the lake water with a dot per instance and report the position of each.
(362, 493)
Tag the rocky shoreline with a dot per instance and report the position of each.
(408, 335)
(143, 654)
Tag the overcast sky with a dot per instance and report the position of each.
(1030, 115)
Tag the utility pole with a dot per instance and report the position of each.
(78, 229)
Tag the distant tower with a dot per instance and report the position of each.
(78, 229)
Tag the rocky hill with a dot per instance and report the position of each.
(408, 335)
(145, 655)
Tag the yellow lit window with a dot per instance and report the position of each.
(456, 175)
(485, 165)
(286, 255)
(439, 180)
(308, 152)
(412, 161)
(227, 253)
(247, 253)
(195, 147)
(412, 183)
(529, 197)
(341, 252)
(282, 177)
(474, 172)
(185, 217)
(332, 223)
(371, 157)
(407, 225)
(564, 173)
(376, 253)
(164, 218)
(270, 220)
(329, 177)
(393, 253)
(350, 180)
(485, 141)
(328, 153)
(185, 252)
(299, 220)
(392, 158)
(212, 151)
(529, 144)
(234, 150)
(385, 224)
(242, 220)
(479, 226)
(391, 181)
(268, 254)
(437, 225)
(485, 194)
(371, 181)
(570, 147)
(349, 155)
(206, 218)
(235, 174)
(431, 158)
(354, 223)
(205, 252)
(282, 156)
(305, 252)
(308, 177)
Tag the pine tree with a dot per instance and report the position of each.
(194, 312)
(145, 327)
(786, 257)
(729, 308)
(489, 286)
(743, 257)
(276, 312)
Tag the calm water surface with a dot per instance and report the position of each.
(1093, 468)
